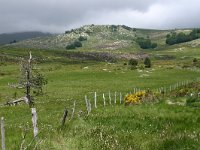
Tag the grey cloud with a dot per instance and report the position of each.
(60, 15)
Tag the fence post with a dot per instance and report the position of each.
(109, 97)
(104, 100)
(34, 121)
(64, 117)
(115, 98)
(3, 133)
(90, 106)
(87, 105)
(120, 99)
(73, 110)
(95, 99)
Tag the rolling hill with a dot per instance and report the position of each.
(100, 38)
(7, 38)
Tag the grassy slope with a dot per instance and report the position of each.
(150, 126)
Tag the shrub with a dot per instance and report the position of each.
(71, 46)
(145, 43)
(74, 44)
(82, 38)
(134, 98)
(114, 28)
(77, 44)
(193, 101)
(196, 62)
(133, 63)
(147, 62)
(154, 45)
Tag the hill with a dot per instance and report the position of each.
(99, 37)
(7, 38)
(102, 37)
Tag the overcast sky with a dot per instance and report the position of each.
(56, 16)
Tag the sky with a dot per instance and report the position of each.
(57, 16)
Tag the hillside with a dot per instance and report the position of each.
(99, 37)
(7, 38)
(103, 38)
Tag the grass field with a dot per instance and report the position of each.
(149, 126)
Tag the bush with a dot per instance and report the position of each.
(133, 63)
(114, 28)
(147, 62)
(154, 45)
(74, 45)
(193, 101)
(146, 43)
(71, 46)
(196, 62)
(134, 98)
(82, 38)
(77, 44)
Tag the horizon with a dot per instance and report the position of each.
(16, 32)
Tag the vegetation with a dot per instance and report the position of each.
(82, 38)
(133, 63)
(147, 62)
(74, 45)
(164, 117)
(146, 43)
(175, 38)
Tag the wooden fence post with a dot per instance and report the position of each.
(3, 134)
(64, 117)
(120, 98)
(95, 99)
(34, 121)
(109, 98)
(104, 100)
(115, 98)
(90, 106)
(73, 110)
(87, 104)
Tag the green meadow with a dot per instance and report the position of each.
(166, 123)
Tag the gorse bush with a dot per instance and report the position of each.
(134, 98)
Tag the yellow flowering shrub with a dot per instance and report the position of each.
(135, 98)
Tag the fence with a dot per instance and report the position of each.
(92, 101)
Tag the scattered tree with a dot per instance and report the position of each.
(147, 62)
(31, 80)
(133, 63)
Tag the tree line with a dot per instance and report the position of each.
(175, 38)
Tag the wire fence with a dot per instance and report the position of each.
(82, 107)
